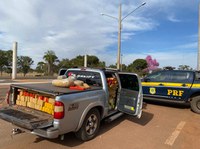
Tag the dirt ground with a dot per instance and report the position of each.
(162, 126)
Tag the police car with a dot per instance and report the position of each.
(173, 85)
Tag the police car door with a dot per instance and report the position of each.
(179, 84)
(155, 85)
(130, 97)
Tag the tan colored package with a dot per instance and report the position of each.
(63, 83)
(52, 101)
(18, 97)
(23, 103)
(78, 83)
(31, 105)
(61, 77)
(20, 92)
(48, 105)
(38, 107)
(18, 102)
(34, 100)
(27, 98)
(40, 102)
(86, 86)
(22, 98)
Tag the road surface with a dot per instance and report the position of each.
(162, 126)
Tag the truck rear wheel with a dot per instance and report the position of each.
(195, 104)
(90, 126)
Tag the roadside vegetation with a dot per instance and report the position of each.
(51, 64)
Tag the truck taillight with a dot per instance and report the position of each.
(58, 110)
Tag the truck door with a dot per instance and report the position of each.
(130, 97)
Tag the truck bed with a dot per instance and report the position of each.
(29, 118)
(25, 117)
(48, 88)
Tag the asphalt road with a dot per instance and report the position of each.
(161, 126)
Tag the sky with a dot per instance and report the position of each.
(165, 29)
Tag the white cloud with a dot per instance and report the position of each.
(192, 45)
(174, 58)
(73, 27)
(172, 18)
(67, 27)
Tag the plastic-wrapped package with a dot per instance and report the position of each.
(63, 82)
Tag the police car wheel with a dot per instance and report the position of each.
(90, 126)
(195, 104)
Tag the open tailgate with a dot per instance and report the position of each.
(26, 118)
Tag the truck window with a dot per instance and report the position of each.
(62, 71)
(91, 78)
(129, 82)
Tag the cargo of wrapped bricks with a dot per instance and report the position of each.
(48, 108)
(35, 101)
(112, 88)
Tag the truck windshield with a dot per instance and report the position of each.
(89, 77)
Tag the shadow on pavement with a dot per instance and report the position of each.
(144, 120)
(169, 104)
(70, 139)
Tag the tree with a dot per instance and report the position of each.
(24, 64)
(77, 61)
(8, 70)
(152, 64)
(41, 67)
(124, 67)
(8, 66)
(169, 68)
(92, 61)
(102, 64)
(50, 59)
(3, 60)
(184, 67)
(138, 66)
(65, 63)
(113, 66)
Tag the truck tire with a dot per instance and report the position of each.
(90, 126)
(195, 104)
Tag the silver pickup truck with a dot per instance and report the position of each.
(111, 94)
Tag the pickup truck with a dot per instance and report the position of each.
(111, 94)
(173, 86)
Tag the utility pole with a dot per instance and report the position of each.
(14, 61)
(198, 60)
(120, 19)
(119, 36)
(85, 60)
